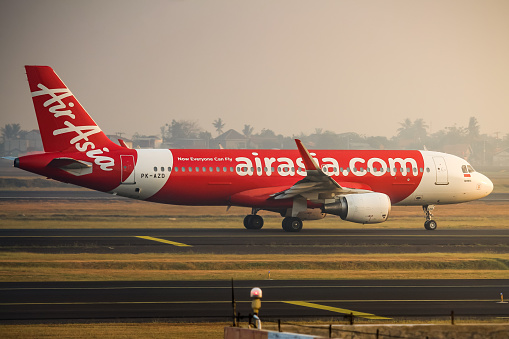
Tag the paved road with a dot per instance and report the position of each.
(211, 300)
(242, 241)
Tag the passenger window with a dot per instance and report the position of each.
(162, 169)
(155, 169)
(169, 169)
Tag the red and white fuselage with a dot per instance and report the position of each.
(290, 182)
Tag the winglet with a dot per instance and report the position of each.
(309, 162)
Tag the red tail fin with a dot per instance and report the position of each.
(63, 122)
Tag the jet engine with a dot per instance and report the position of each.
(364, 208)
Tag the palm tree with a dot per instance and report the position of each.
(218, 125)
(419, 128)
(11, 131)
(406, 128)
(473, 128)
(247, 131)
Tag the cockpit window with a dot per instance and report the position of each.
(467, 169)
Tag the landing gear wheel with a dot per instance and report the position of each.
(253, 222)
(292, 224)
(430, 225)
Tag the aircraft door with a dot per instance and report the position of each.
(441, 171)
(127, 164)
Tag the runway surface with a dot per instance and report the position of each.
(242, 241)
(212, 300)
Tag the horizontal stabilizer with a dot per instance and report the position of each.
(69, 163)
(72, 166)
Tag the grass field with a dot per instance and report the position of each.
(134, 267)
(115, 330)
(45, 214)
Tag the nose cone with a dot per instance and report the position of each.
(485, 186)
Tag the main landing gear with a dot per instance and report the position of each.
(253, 221)
(429, 224)
(292, 224)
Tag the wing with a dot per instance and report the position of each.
(317, 184)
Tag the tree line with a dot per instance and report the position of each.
(410, 135)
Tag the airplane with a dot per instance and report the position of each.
(359, 186)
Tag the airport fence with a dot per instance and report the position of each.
(335, 327)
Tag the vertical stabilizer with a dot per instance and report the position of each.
(63, 122)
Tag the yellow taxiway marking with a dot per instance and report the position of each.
(278, 236)
(298, 303)
(336, 309)
(174, 243)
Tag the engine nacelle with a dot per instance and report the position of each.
(363, 208)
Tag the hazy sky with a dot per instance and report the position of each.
(292, 66)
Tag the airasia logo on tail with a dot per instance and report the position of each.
(81, 141)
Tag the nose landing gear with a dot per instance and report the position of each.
(429, 224)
